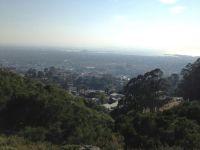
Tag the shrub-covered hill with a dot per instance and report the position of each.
(45, 113)
(176, 127)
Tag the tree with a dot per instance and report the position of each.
(32, 73)
(145, 91)
(41, 112)
(178, 127)
(173, 81)
(40, 74)
(189, 86)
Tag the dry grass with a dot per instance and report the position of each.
(169, 105)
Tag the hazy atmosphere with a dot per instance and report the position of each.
(159, 26)
(99, 75)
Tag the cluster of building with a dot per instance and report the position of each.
(107, 99)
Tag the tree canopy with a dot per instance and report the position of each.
(46, 113)
(189, 86)
(145, 91)
(40, 113)
(178, 127)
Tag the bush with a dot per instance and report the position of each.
(71, 147)
(34, 134)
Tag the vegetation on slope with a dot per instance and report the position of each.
(45, 113)
(179, 126)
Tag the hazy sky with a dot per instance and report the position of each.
(172, 26)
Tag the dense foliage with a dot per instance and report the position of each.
(45, 113)
(189, 86)
(57, 76)
(106, 81)
(179, 127)
(145, 91)
(176, 127)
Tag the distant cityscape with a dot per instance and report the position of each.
(99, 77)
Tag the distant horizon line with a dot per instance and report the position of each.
(112, 50)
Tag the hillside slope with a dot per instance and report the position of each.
(45, 113)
